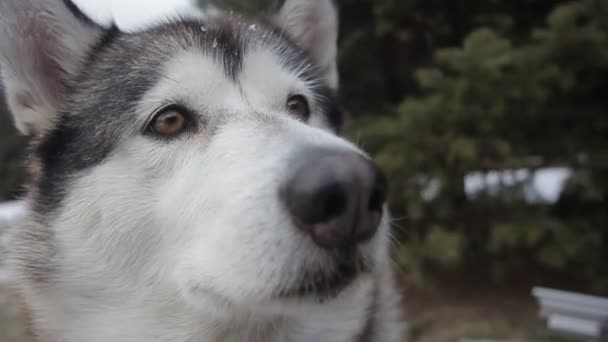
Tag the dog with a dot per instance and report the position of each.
(188, 181)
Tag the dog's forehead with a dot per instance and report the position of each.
(252, 80)
(225, 39)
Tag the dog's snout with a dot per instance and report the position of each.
(336, 197)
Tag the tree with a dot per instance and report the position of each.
(500, 102)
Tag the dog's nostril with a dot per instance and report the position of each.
(311, 203)
(330, 202)
(335, 197)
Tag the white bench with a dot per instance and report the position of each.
(573, 314)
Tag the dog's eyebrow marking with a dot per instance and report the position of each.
(221, 38)
(230, 44)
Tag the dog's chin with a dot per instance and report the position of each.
(325, 283)
(316, 282)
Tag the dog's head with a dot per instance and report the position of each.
(199, 155)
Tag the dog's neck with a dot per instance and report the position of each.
(63, 318)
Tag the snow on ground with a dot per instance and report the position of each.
(12, 210)
(544, 185)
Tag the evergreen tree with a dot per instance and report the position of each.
(505, 102)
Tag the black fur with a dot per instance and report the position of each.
(332, 110)
(228, 45)
(106, 39)
(75, 10)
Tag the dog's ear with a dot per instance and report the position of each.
(313, 24)
(43, 43)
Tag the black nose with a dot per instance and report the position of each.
(336, 197)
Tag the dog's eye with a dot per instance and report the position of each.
(298, 105)
(168, 122)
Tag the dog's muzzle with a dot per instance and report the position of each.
(336, 197)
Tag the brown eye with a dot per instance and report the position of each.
(298, 105)
(169, 122)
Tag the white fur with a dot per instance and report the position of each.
(154, 236)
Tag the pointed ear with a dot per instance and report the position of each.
(313, 24)
(42, 45)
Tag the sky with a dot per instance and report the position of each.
(130, 14)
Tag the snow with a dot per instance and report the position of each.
(12, 210)
(544, 185)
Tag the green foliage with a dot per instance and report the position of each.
(504, 101)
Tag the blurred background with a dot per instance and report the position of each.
(491, 120)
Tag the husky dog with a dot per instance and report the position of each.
(188, 181)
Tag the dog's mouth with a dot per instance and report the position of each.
(327, 283)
